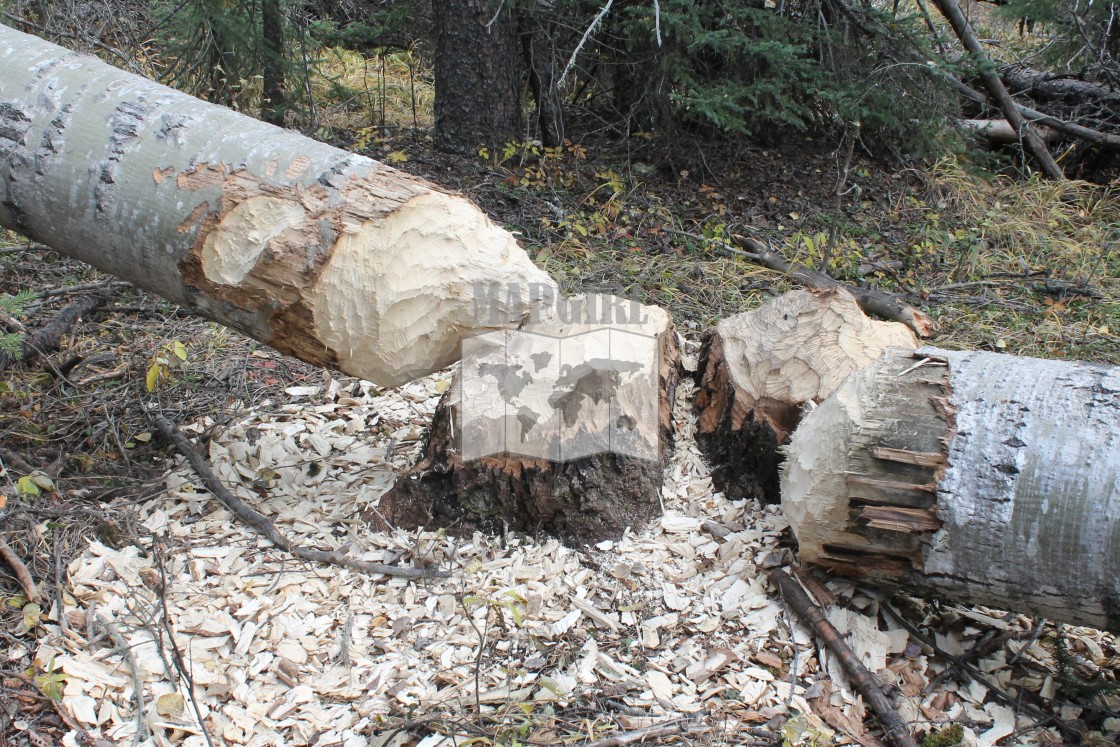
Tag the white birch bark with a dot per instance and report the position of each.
(323, 254)
(987, 478)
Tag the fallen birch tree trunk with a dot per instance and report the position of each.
(1001, 132)
(322, 254)
(986, 478)
(559, 427)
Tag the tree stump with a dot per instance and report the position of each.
(559, 427)
(985, 478)
(757, 370)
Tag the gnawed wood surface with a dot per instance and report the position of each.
(522, 456)
(975, 476)
(323, 254)
(757, 370)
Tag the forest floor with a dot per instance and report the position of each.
(1021, 266)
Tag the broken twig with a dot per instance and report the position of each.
(30, 590)
(650, 732)
(49, 337)
(871, 300)
(795, 596)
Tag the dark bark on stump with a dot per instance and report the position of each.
(478, 75)
(583, 500)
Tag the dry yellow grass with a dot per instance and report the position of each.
(353, 91)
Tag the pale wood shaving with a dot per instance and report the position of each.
(666, 622)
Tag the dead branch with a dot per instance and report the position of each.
(30, 590)
(263, 524)
(182, 668)
(48, 338)
(871, 300)
(1031, 141)
(795, 596)
(1053, 87)
(16, 461)
(1072, 129)
(650, 732)
(137, 683)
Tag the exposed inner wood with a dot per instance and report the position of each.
(882, 481)
(758, 369)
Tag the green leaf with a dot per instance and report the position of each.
(51, 684)
(32, 614)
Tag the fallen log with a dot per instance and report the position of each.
(1031, 142)
(325, 255)
(561, 427)
(757, 370)
(1000, 131)
(985, 478)
(1043, 86)
(1071, 129)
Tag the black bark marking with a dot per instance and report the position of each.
(15, 123)
(125, 123)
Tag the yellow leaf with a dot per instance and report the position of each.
(795, 215)
(32, 613)
(153, 377)
(170, 705)
(397, 156)
(443, 385)
(1103, 330)
(144, 437)
(1001, 343)
(180, 350)
(26, 486)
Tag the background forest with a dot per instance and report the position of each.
(854, 136)
(630, 144)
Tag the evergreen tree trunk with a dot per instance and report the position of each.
(272, 30)
(540, 60)
(323, 254)
(478, 74)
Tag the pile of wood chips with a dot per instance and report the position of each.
(668, 625)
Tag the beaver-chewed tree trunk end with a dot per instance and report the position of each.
(559, 427)
(757, 371)
(984, 478)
